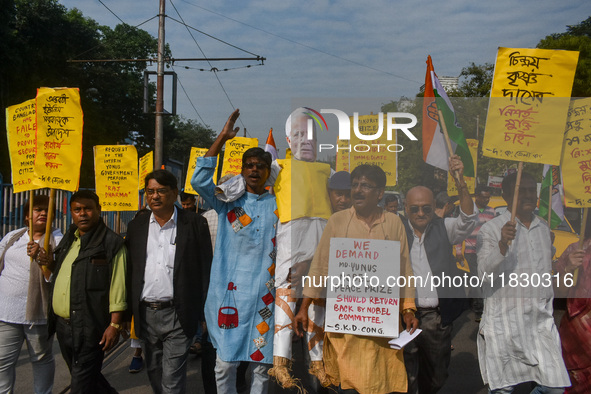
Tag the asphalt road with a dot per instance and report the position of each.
(464, 372)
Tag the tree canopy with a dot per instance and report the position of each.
(37, 40)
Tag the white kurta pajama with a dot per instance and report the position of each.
(518, 340)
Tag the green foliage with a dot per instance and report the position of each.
(37, 40)
(576, 38)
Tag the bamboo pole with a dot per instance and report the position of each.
(581, 242)
(31, 202)
(50, 215)
(447, 141)
(550, 198)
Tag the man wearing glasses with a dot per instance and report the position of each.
(168, 251)
(430, 239)
(240, 301)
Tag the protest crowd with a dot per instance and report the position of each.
(239, 283)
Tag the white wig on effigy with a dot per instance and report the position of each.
(300, 112)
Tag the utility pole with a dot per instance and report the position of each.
(159, 132)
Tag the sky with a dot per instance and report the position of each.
(327, 51)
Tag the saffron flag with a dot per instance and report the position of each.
(551, 178)
(434, 145)
(270, 145)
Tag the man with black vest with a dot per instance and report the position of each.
(430, 239)
(88, 294)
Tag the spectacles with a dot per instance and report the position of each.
(427, 209)
(160, 192)
(258, 165)
(363, 186)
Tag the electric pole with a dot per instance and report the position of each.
(159, 132)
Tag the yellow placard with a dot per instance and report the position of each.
(235, 148)
(529, 104)
(116, 177)
(146, 167)
(373, 151)
(195, 153)
(452, 190)
(343, 157)
(576, 156)
(59, 138)
(21, 126)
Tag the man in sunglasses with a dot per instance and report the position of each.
(239, 310)
(430, 239)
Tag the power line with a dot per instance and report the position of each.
(210, 65)
(188, 98)
(209, 35)
(303, 45)
(114, 14)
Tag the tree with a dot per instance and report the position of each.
(576, 38)
(38, 37)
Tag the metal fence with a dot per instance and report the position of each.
(12, 215)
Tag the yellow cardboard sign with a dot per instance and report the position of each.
(576, 156)
(378, 151)
(529, 104)
(452, 190)
(59, 138)
(146, 167)
(116, 177)
(235, 148)
(343, 162)
(21, 124)
(195, 153)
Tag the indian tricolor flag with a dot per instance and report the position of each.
(551, 181)
(434, 145)
(270, 145)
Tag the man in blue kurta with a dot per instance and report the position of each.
(239, 310)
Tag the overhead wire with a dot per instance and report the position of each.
(210, 65)
(302, 44)
(188, 98)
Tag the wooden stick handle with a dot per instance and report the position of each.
(31, 202)
(550, 197)
(447, 141)
(581, 242)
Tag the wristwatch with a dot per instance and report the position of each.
(118, 327)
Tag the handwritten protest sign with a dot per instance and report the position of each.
(343, 162)
(21, 124)
(529, 103)
(377, 151)
(235, 148)
(195, 153)
(146, 167)
(59, 138)
(576, 156)
(116, 177)
(363, 303)
(452, 190)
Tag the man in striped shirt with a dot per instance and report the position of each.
(485, 213)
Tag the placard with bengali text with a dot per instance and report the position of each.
(452, 190)
(234, 150)
(576, 156)
(195, 153)
(529, 102)
(59, 138)
(146, 166)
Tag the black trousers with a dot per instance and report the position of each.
(85, 377)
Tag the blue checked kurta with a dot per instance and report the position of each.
(239, 309)
(518, 340)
